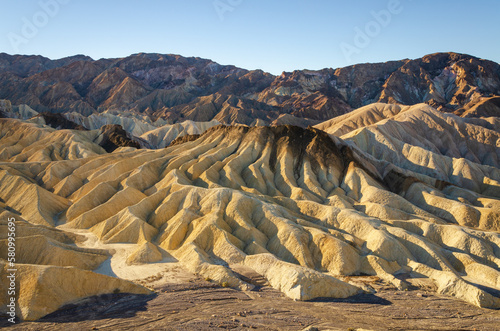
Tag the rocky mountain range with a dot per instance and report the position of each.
(138, 175)
(174, 88)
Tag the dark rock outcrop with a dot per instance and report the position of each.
(58, 121)
(113, 136)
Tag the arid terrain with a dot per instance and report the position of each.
(199, 305)
(292, 206)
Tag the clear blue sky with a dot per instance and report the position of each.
(271, 35)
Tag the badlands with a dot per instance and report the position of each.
(386, 197)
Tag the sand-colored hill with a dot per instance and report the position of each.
(149, 134)
(44, 289)
(26, 142)
(134, 124)
(360, 118)
(51, 270)
(405, 194)
(164, 135)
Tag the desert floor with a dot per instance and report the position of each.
(197, 304)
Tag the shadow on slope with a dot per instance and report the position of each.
(358, 298)
(117, 305)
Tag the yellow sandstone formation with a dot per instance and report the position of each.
(384, 190)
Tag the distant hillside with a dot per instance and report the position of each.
(175, 88)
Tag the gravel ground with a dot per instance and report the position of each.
(201, 305)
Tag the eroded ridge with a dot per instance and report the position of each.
(299, 207)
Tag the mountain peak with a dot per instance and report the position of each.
(176, 85)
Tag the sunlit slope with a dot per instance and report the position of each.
(150, 134)
(459, 156)
(360, 118)
(164, 135)
(51, 271)
(25, 142)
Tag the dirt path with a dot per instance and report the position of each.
(200, 305)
